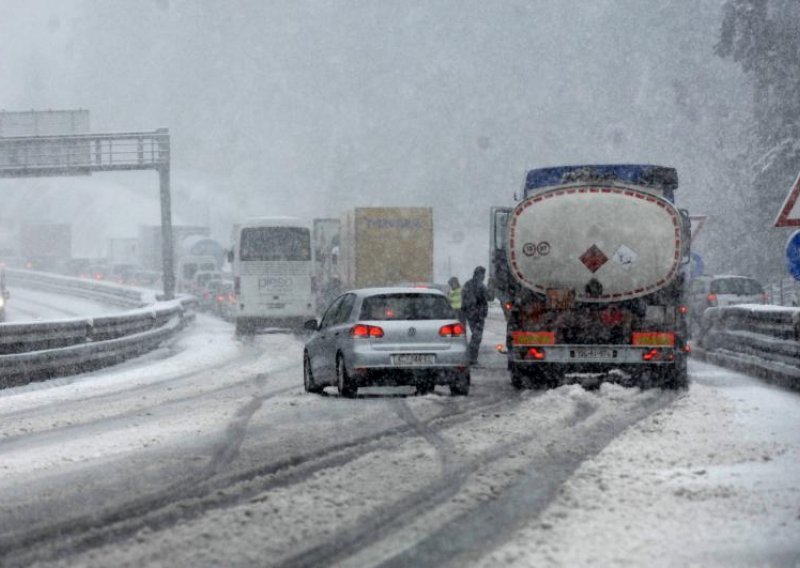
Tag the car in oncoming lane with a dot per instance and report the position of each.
(387, 337)
(723, 290)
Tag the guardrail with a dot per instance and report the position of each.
(760, 340)
(39, 350)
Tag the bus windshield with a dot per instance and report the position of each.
(275, 243)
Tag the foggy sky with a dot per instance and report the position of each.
(310, 107)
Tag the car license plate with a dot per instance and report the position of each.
(413, 359)
(593, 353)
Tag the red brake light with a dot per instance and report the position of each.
(451, 330)
(683, 310)
(364, 330)
(536, 353)
(653, 354)
(712, 299)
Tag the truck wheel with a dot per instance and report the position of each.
(539, 380)
(460, 386)
(308, 377)
(346, 387)
(243, 327)
(674, 378)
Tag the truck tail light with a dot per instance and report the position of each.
(712, 300)
(652, 355)
(364, 331)
(452, 330)
(536, 353)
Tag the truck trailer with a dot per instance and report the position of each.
(385, 246)
(590, 268)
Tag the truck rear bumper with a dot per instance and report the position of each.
(594, 355)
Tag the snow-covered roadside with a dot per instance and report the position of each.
(711, 480)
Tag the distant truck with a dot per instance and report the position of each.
(589, 266)
(382, 246)
(374, 246)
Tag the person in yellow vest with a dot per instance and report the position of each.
(455, 297)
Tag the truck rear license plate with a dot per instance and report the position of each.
(413, 359)
(593, 353)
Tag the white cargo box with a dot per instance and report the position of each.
(626, 239)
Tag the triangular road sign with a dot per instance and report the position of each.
(790, 212)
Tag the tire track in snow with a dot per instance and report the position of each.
(389, 518)
(190, 498)
(468, 536)
(94, 529)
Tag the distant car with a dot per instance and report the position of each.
(202, 281)
(387, 336)
(224, 301)
(724, 290)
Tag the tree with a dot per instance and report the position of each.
(763, 37)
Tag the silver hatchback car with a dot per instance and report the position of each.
(387, 336)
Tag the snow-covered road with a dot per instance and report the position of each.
(208, 452)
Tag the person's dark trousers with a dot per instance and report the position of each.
(476, 331)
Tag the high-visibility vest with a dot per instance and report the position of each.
(455, 298)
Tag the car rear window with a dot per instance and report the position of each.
(406, 307)
(737, 286)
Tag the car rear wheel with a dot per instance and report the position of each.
(346, 387)
(425, 386)
(460, 386)
(308, 376)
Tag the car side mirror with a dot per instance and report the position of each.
(311, 325)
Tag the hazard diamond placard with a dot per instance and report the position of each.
(790, 212)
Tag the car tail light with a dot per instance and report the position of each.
(366, 331)
(683, 310)
(712, 299)
(650, 338)
(220, 298)
(508, 305)
(452, 330)
(536, 353)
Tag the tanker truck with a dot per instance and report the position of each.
(590, 268)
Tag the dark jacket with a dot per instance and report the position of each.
(475, 299)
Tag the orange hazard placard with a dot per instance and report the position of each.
(533, 338)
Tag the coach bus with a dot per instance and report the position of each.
(272, 269)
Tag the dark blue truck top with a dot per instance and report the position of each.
(657, 177)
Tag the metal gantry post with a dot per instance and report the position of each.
(167, 252)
